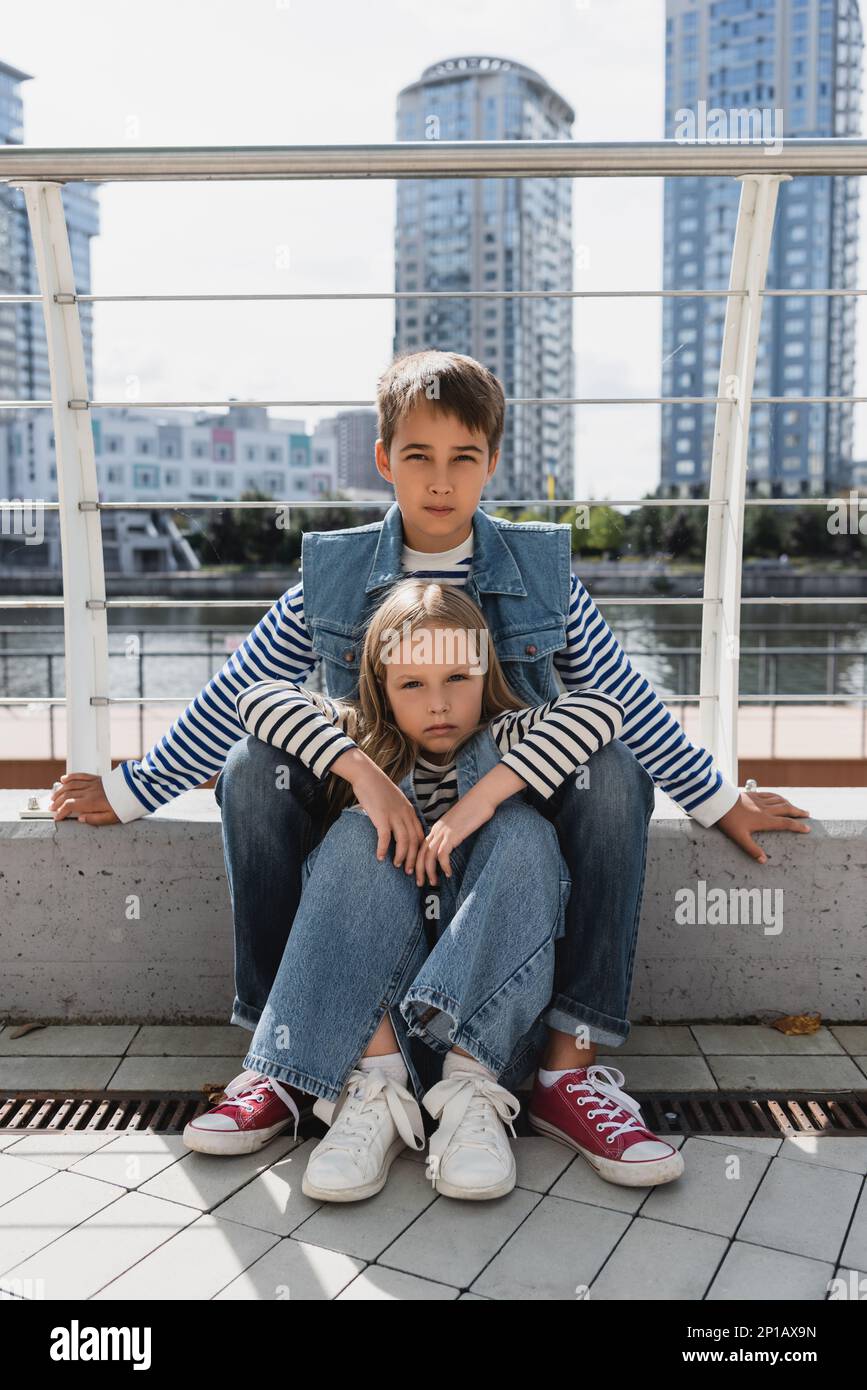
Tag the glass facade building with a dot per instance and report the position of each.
(493, 234)
(790, 68)
(24, 373)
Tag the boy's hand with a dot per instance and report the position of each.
(392, 814)
(459, 821)
(759, 811)
(81, 794)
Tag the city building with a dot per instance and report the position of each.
(191, 456)
(23, 354)
(762, 69)
(493, 234)
(357, 433)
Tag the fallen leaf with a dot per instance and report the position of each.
(793, 1024)
(26, 1028)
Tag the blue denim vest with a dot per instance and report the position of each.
(474, 760)
(521, 579)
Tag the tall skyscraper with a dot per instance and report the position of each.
(11, 133)
(494, 234)
(800, 58)
(24, 371)
(356, 437)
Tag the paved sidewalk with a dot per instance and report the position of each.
(139, 1216)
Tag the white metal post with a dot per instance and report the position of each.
(720, 629)
(84, 611)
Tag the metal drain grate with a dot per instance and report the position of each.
(772, 1115)
(746, 1114)
(158, 1112)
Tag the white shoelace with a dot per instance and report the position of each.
(251, 1096)
(466, 1100)
(604, 1084)
(354, 1119)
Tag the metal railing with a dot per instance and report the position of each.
(41, 173)
(682, 658)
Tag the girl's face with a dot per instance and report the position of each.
(434, 685)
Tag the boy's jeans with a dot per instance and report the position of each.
(358, 948)
(269, 828)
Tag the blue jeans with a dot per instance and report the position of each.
(358, 948)
(269, 827)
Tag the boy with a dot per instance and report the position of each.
(441, 419)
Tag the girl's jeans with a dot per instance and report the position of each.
(358, 948)
(272, 808)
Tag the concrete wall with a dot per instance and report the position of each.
(69, 950)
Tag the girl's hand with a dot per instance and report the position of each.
(450, 830)
(81, 794)
(392, 814)
(760, 811)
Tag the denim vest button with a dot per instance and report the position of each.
(531, 650)
(350, 655)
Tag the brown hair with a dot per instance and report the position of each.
(454, 385)
(371, 722)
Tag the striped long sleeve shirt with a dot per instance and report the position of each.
(279, 648)
(543, 744)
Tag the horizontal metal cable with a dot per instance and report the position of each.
(385, 294)
(660, 601)
(510, 400)
(808, 698)
(351, 503)
(136, 601)
(338, 295)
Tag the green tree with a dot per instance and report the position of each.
(809, 534)
(682, 535)
(604, 534)
(766, 532)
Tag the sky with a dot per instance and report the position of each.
(285, 72)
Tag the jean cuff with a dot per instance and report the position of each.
(244, 1015)
(311, 1085)
(566, 1017)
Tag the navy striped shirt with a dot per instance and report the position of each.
(543, 744)
(279, 648)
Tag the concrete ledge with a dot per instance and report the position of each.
(133, 923)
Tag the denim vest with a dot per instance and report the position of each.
(474, 760)
(521, 579)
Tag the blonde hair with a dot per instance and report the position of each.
(411, 604)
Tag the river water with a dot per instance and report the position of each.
(174, 652)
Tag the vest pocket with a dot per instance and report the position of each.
(532, 645)
(527, 659)
(341, 648)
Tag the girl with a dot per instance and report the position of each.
(437, 754)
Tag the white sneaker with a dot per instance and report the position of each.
(470, 1155)
(372, 1121)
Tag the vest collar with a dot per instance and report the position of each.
(495, 570)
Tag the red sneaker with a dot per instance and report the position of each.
(248, 1118)
(618, 1146)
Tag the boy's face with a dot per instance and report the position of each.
(434, 698)
(438, 469)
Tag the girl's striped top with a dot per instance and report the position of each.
(541, 743)
(196, 745)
